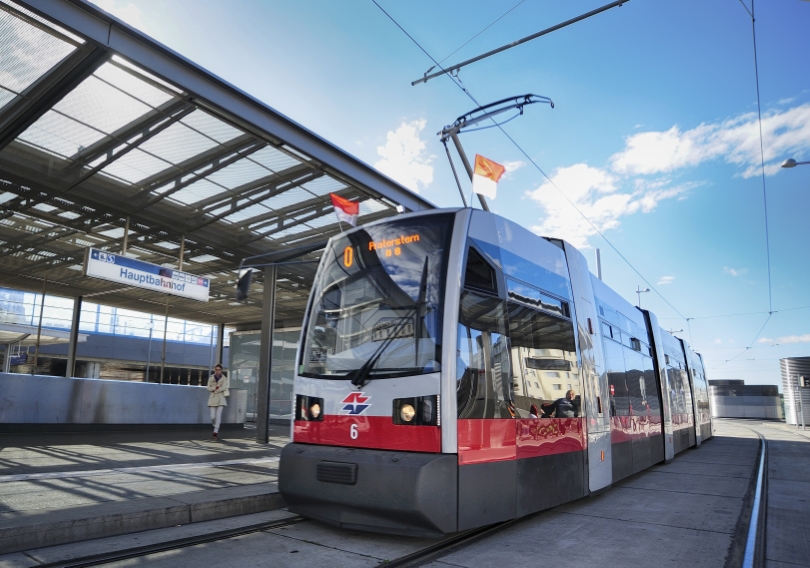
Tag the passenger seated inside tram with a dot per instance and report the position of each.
(566, 407)
(533, 412)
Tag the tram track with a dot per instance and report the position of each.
(167, 546)
(749, 549)
(418, 558)
(446, 546)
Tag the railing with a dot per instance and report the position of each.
(25, 308)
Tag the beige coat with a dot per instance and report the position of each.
(219, 391)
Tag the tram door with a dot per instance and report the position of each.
(595, 392)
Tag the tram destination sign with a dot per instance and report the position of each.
(123, 270)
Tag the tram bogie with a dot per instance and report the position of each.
(456, 370)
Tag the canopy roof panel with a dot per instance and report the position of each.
(107, 136)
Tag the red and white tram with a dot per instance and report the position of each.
(435, 364)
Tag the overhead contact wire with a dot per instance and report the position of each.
(522, 151)
(485, 29)
(750, 345)
(762, 159)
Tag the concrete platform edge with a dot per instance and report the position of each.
(62, 428)
(51, 527)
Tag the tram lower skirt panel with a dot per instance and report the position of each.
(396, 492)
(502, 490)
(683, 439)
(633, 456)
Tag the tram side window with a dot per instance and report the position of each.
(482, 366)
(619, 395)
(652, 388)
(543, 350)
(479, 274)
(636, 385)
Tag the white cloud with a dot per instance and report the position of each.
(665, 280)
(805, 338)
(596, 194)
(512, 167)
(735, 140)
(124, 11)
(404, 158)
(734, 271)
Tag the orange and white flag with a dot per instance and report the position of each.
(346, 211)
(485, 176)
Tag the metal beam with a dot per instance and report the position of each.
(207, 159)
(131, 135)
(216, 165)
(40, 97)
(219, 96)
(320, 203)
(74, 336)
(220, 343)
(248, 189)
(206, 218)
(266, 355)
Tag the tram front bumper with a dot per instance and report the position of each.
(374, 490)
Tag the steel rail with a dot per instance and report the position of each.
(446, 546)
(139, 551)
(753, 542)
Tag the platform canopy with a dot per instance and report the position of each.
(103, 129)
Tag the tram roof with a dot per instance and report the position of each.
(99, 124)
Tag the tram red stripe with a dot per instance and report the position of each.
(377, 432)
(628, 428)
(496, 439)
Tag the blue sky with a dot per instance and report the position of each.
(654, 135)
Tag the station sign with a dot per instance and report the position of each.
(123, 270)
(18, 359)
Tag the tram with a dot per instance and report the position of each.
(456, 370)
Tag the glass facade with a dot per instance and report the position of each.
(244, 368)
(121, 331)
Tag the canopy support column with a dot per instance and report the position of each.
(74, 337)
(266, 355)
(220, 344)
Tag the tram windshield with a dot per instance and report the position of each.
(377, 302)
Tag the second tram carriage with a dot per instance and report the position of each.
(434, 348)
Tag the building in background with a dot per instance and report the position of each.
(735, 399)
(797, 397)
(117, 343)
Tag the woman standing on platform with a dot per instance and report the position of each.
(218, 386)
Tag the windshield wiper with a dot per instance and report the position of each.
(360, 377)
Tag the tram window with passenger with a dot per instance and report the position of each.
(509, 351)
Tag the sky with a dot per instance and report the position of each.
(654, 137)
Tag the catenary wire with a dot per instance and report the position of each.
(750, 345)
(482, 31)
(456, 80)
(762, 159)
(743, 313)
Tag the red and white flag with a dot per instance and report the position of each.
(485, 176)
(346, 211)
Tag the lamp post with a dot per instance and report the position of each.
(798, 398)
(639, 292)
(791, 163)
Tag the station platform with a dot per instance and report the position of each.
(69, 487)
(693, 510)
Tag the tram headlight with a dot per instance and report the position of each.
(407, 412)
(416, 411)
